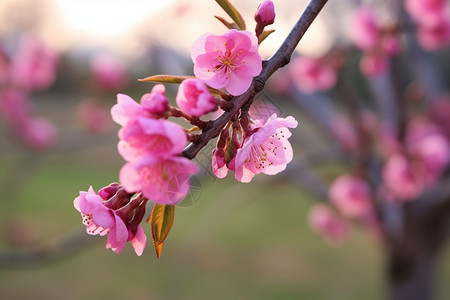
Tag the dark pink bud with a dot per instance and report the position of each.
(155, 102)
(265, 13)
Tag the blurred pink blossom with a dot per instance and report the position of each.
(426, 143)
(373, 65)
(377, 44)
(323, 220)
(433, 22)
(109, 72)
(311, 75)
(401, 179)
(33, 67)
(14, 106)
(436, 36)
(345, 132)
(266, 149)
(155, 102)
(351, 195)
(227, 61)
(365, 29)
(390, 45)
(434, 153)
(39, 133)
(426, 12)
(94, 117)
(388, 142)
(194, 99)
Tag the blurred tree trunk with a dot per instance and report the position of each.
(413, 256)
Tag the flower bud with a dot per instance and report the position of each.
(265, 13)
(194, 99)
(155, 102)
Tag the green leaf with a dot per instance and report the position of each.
(161, 220)
(226, 23)
(166, 78)
(264, 35)
(232, 12)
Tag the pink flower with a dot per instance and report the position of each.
(109, 73)
(265, 150)
(39, 133)
(265, 13)
(311, 75)
(117, 216)
(227, 61)
(101, 220)
(326, 222)
(434, 152)
(351, 195)
(390, 45)
(436, 36)
(345, 132)
(401, 179)
(156, 137)
(373, 65)
(34, 65)
(93, 117)
(194, 99)
(425, 12)
(164, 181)
(155, 102)
(14, 106)
(365, 29)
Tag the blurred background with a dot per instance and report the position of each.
(229, 240)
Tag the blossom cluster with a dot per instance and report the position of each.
(433, 22)
(410, 167)
(152, 145)
(31, 67)
(411, 157)
(377, 42)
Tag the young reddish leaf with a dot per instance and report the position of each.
(166, 78)
(264, 35)
(232, 12)
(226, 23)
(161, 220)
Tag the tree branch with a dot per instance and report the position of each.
(278, 60)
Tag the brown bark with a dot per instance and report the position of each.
(413, 255)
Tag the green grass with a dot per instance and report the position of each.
(239, 241)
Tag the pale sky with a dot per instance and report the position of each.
(123, 25)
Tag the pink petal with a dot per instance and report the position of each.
(102, 216)
(125, 108)
(130, 179)
(198, 47)
(117, 236)
(139, 241)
